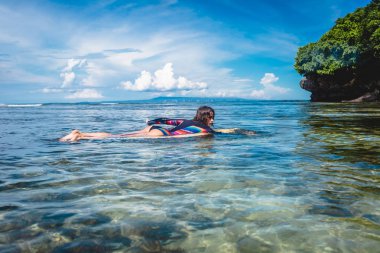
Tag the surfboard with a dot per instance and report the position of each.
(161, 137)
(223, 131)
(237, 131)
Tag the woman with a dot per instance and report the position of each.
(200, 125)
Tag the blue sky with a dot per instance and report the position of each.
(69, 51)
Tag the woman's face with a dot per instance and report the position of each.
(210, 121)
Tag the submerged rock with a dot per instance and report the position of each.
(82, 246)
(251, 244)
(330, 210)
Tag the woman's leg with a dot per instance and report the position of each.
(71, 136)
(76, 135)
(99, 135)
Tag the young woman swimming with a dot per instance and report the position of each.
(199, 125)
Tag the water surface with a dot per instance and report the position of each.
(307, 182)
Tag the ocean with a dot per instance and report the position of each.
(308, 181)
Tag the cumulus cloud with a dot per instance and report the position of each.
(268, 78)
(269, 89)
(85, 93)
(68, 73)
(162, 80)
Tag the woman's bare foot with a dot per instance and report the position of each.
(73, 136)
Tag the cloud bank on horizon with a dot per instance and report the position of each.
(115, 50)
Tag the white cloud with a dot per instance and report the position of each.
(68, 73)
(68, 79)
(268, 78)
(85, 93)
(51, 90)
(162, 80)
(242, 80)
(71, 63)
(99, 73)
(142, 83)
(259, 94)
(269, 90)
(276, 89)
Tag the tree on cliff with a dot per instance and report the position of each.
(351, 43)
(345, 63)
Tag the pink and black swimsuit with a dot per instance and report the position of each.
(182, 126)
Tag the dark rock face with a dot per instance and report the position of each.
(344, 64)
(360, 84)
(333, 89)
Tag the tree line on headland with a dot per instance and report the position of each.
(344, 65)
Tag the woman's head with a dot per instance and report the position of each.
(205, 114)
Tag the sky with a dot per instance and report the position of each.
(112, 50)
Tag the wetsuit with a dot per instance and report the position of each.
(182, 126)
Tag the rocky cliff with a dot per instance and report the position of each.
(344, 65)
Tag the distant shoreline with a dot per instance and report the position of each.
(152, 100)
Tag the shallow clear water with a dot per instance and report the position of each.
(307, 182)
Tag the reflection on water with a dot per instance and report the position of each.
(307, 182)
(341, 144)
(348, 133)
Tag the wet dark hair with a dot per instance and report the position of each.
(204, 113)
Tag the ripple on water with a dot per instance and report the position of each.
(306, 182)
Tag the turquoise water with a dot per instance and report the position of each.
(307, 182)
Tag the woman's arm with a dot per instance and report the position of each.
(165, 121)
(235, 131)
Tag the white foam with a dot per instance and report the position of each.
(23, 105)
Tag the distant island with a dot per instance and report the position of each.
(344, 65)
(196, 99)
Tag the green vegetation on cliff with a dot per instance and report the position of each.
(353, 43)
